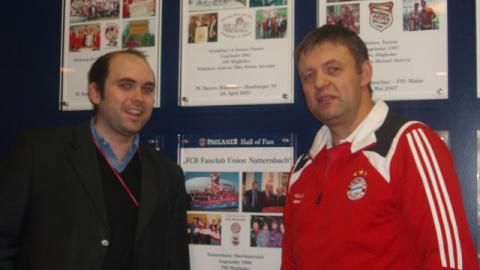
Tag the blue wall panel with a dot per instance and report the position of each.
(31, 83)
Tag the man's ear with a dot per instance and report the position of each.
(94, 93)
(367, 72)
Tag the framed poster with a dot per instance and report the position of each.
(406, 40)
(93, 28)
(236, 52)
(237, 187)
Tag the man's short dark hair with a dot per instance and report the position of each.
(98, 72)
(335, 34)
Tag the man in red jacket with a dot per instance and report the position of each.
(375, 191)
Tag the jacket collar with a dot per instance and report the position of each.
(361, 137)
(83, 159)
(151, 192)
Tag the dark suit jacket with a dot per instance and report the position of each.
(247, 207)
(52, 209)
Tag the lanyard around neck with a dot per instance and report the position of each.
(118, 176)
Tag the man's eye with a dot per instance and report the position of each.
(148, 89)
(333, 70)
(126, 85)
(307, 77)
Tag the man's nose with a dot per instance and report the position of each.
(321, 81)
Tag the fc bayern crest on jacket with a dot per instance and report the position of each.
(358, 187)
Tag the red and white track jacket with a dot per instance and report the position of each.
(388, 197)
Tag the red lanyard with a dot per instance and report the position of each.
(119, 177)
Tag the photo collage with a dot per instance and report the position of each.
(203, 24)
(417, 14)
(260, 195)
(111, 24)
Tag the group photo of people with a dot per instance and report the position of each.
(137, 34)
(264, 191)
(84, 38)
(347, 15)
(420, 15)
(266, 231)
(271, 23)
(203, 28)
(138, 8)
(204, 229)
(87, 10)
(213, 191)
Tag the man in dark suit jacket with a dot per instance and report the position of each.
(253, 199)
(90, 196)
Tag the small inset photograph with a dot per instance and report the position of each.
(267, 3)
(347, 15)
(204, 229)
(213, 191)
(138, 34)
(421, 14)
(111, 34)
(203, 28)
(84, 38)
(266, 231)
(198, 5)
(264, 191)
(90, 10)
(138, 8)
(271, 23)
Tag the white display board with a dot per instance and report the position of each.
(93, 28)
(237, 187)
(236, 52)
(407, 43)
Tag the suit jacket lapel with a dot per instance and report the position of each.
(149, 195)
(83, 160)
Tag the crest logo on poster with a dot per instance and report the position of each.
(381, 16)
(235, 228)
(358, 187)
(202, 142)
(236, 25)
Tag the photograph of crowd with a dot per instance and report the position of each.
(266, 3)
(196, 5)
(266, 231)
(138, 34)
(271, 23)
(419, 15)
(264, 191)
(88, 10)
(84, 38)
(203, 28)
(204, 229)
(347, 15)
(213, 191)
(138, 8)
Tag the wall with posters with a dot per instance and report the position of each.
(31, 65)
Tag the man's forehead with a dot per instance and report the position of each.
(130, 65)
(325, 52)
